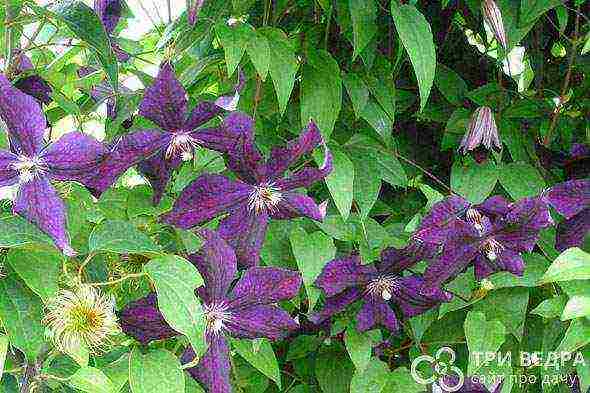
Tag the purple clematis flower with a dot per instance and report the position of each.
(109, 13)
(30, 84)
(346, 280)
(247, 310)
(31, 165)
(261, 191)
(492, 235)
(572, 200)
(158, 152)
(194, 6)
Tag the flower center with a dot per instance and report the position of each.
(216, 315)
(28, 168)
(382, 286)
(492, 248)
(265, 198)
(476, 219)
(181, 144)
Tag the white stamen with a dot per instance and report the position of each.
(492, 248)
(29, 168)
(476, 219)
(382, 287)
(183, 145)
(264, 198)
(216, 315)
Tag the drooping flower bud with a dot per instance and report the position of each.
(81, 317)
(493, 18)
(482, 130)
(194, 7)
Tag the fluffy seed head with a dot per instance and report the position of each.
(82, 316)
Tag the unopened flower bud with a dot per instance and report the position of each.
(482, 130)
(493, 18)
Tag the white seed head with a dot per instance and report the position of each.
(81, 317)
(264, 198)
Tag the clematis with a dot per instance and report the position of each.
(346, 280)
(261, 192)
(109, 13)
(493, 18)
(28, 83)
(247, 310)
(481, 131)
(159, 151)
(194, 6)
(572, 200)
(492, 235)
(32, 165)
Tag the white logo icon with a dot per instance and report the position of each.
(441, 369)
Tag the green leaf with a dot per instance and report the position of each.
(577, 306)
(91, 380)
(156, 371)
(234, 40)
(551, 308)
(482, 337)
(363, 14)
(450, 84)
(521, 180)
(357, 91)
(175, 280)
(333, 370)
(572, 264)
(535, 267)
(121, 237)
(584, 371)
(39, 269)
(475, 182)
(15, 231)
(86, 25)
(283, 65)
(340, 181)
(21, 313)
(321, 91)
(359, 347)
(507, 305)
(262, 357)
(371, 379)
(401, 381)
(312, 252)
(118, 372)
(576, 336)
(3, 351)
(258, 49)
(530, 10)
(416, 36)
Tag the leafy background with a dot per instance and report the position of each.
(391, 87)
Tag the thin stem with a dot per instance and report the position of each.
(566, 82)
(84, 263)
(426, 172)
(191, 364)
(117, 281)
(328, 25)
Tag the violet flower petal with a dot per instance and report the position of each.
(75, 156)
(570, 198)
(335, 304)
(281, 158)
(127, 151)
(8, 175)
(263, 286)
(39, 203)
(205, 198)
(165, 101)
(25, 121)
(36, 87)
(245, 231)
(244, 159)
(571, 233)
(530, 212)
(213, 370)
(216, 261)
(261, 321)
(508, 260)
(293, 205)
(494, 206)
(143, 321)
(201, 114)
(410, 299)
(109, 12)
(436, 225)
(308, 175)
(374, 313)
(341, 274)
(157, 170)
